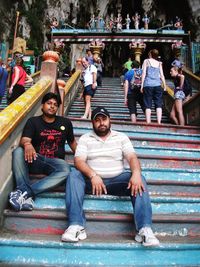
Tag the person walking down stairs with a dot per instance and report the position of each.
(100, 170)
(89, 75)
(41, 151)
(19, 79)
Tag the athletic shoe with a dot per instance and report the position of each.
(28, 204)
(74, 233)
(146, 237)
(17, 199)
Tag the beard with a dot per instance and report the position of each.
(101, 131)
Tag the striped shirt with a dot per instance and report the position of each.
(105, 157)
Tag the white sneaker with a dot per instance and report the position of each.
(146, 237)
(74, 233)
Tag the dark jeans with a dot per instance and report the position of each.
(56, 171)
(77, 185)
(17, 91)
(154, 93)
(134, 97)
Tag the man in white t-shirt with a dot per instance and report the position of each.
(99, 162)
(89, 75)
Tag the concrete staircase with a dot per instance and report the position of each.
(170, 159)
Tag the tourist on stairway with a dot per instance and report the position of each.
(152, 79)
(19, 79)
(41, 151)
(3, 79)
(89, 56)
(89, 76)
(98, 63)
(126, 67)
(176, 113)
(132, 86)
(99, 162)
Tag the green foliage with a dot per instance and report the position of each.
(35, 18)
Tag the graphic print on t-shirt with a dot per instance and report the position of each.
(50, 144)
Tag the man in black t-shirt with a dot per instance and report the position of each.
(41, 151)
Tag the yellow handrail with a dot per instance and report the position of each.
(16, 111)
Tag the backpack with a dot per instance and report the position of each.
(136, 79)
(187, 88)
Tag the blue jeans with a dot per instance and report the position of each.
(56, 171)
(77, 185)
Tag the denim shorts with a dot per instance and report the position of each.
(89, 91)
(179, 95)
(153, 93)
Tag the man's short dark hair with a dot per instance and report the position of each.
(135, 64)
(50, 96)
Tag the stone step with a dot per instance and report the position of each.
(54, 222)
(22, 249)
(143, 127)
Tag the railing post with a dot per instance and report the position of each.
(49, 67)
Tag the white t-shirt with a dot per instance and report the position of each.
(88, 75)
(106, 158)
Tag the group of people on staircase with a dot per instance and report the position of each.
(99, 168)
(147, 84)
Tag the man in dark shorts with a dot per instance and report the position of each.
(89, 75)
(41, 151)
(132, 94)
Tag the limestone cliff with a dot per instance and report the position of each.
(36, 15)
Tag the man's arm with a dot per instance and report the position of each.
(29, 150)
(94, 75)
(73, 145)
(98, 186)
(135, 184)
(126, 84)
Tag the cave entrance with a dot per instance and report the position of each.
(116, 54)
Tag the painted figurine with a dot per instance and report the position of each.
(136, 20)
(128, 21)
(119, 22)
(92, 22)
(178, 24)
(146, 21)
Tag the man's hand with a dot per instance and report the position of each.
(29, 153)
(94, 86)
(135, 185)
(98, 187)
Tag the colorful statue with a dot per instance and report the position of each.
(100, 23)
(111, 22)
(146, 21)
(54, 23)
(92, 22)
(178, 24)
(136, 20)
(128, 21)
(119, 22)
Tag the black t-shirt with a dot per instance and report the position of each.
(49, 139)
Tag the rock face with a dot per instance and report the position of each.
(36, 16)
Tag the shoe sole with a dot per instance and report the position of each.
(14, 206)
(139, 239)
(79, 238)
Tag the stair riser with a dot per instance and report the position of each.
(161, 206)
(94, 228)
(143, 127)
(156, 162)
(72, 255)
